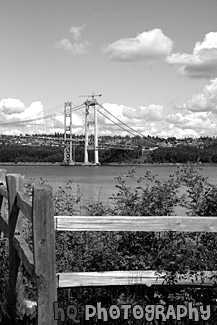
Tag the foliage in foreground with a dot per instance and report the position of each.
(170, 251)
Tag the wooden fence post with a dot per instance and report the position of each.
(2, 200)
(15, 182)
(44, 253)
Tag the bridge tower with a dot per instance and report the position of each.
(68, 134)
(91, 103)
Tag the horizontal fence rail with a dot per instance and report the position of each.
(148, 278)
(125, 223)
(40, 262)
(131, 223)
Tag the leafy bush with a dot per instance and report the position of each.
(173, 252)
(201, 198)
(3, 276)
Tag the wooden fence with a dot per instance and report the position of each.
(40, 263)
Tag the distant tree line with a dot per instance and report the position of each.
(180, 154)
(183, 154)
(28, 153)
(18, 153)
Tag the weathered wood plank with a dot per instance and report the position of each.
(24, 205)
(2, 213)
(3, 194)
(44, 253)
(14, 184)
(25, 254)
(114, 278)
(2, 176)
(3, 191)
(125, 223)
(12, 220)
(4, 226)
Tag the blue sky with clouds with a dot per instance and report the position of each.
(154, 62)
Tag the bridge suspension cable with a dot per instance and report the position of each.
(43, 117)
(133, 130)
(116, 123)
(48, 114)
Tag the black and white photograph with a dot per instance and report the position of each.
(108, 162)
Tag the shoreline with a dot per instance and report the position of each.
(92, 165)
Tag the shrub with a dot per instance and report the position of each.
(173, 252)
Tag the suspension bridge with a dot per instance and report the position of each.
(91, 113)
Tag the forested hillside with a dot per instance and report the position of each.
(183, 154)
(177, 154)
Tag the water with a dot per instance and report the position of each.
(95, 182)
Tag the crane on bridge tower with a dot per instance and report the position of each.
(91, 103)
(68, 130)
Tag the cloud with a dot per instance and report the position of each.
(202, 63)
(147, 120)
(76, 47)
(201, 123)
(73, 48)
(199, 114)
(14, 111)
(146, 46)
(149, 113)
(77, 121)
(11, 106)
(76, 31)
(172, 131)
(143, 119)
(134, 115)
(205, 101)
(151, 120)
